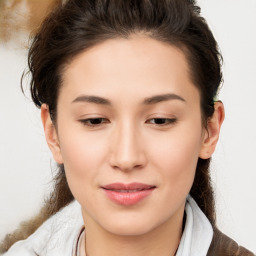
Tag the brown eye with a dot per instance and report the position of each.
(94, 121)
(162, 121)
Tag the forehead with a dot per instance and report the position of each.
(138, 64)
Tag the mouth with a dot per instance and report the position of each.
(128, 194)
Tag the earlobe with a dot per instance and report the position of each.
(51, 134)
(211, 136)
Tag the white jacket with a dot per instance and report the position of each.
(58, 235)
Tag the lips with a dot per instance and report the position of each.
(128, 187)
(128, 194)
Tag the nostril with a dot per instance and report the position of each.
(126, 167)
(138, 166)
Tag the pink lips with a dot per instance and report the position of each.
(128, 194)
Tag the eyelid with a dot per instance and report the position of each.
(167, 121)
(86, 121)
(158, 120)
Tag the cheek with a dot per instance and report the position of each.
(81, 149)
(176, 156)
(82, 157)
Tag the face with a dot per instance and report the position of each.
(129, 133)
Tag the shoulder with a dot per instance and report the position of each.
(223, 245)
(55, 237)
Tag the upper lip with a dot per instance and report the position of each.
(130, 186)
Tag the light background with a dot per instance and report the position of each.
(25, 161)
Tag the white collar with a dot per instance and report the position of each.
(197, 235)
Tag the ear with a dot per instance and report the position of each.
(211, 134)
(51, 134)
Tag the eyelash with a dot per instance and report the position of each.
(163, 121)
(167, 121)
(88, 122)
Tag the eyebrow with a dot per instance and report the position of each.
(92, 99)
(148, 101)
(162, 97)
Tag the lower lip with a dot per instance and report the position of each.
(128, 198)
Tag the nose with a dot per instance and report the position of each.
(127, 150)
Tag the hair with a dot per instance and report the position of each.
(80, 24)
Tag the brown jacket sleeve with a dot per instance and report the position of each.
(222, 245)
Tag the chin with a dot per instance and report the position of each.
(134, 226)
(130, 230)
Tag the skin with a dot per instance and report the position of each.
(140, 138)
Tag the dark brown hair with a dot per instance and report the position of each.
(80, 24)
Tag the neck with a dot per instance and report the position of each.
(163, 240)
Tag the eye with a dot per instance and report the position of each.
(162, 121)
(94, 122)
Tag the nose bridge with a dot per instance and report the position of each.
(127, 148)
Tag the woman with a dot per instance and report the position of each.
(127, 91)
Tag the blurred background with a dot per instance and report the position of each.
(26, 165)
